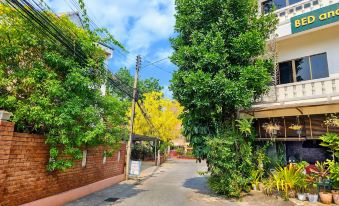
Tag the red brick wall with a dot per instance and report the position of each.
(23, 175)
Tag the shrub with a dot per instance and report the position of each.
(230, 163)
(288, 178)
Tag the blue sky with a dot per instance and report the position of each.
(142, 26)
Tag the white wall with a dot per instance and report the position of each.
(325, 40)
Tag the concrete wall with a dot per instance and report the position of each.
(23, 175)
(326, 40)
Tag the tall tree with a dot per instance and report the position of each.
(219, 50)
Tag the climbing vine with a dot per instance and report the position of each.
(55, 92)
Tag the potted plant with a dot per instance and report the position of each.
(301, 186)
(332, 121)
(335, 194)
(286, 179)
(325, 197)
(312, 194)
(297, 128)
(334, 177)
(255, 178)
(271, 128)
(322, 176)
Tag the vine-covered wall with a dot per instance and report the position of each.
(23, 160)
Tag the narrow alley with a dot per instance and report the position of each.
(175, 183)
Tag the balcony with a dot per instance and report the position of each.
(285, 14)
(312, 92)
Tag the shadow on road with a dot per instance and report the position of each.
(121, 191)
(199, 184)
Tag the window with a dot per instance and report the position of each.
(290, 2)
(286, 72)
(278, 4)
(302, 69)
(319, 66)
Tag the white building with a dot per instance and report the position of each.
(306, 87)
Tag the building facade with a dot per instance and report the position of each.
(305, 91)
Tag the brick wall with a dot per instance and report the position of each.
(23, 175)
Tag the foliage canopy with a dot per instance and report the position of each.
(54, 93)
(164, 114)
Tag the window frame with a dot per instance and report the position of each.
(287, 2)
(294, 73)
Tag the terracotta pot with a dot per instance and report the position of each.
(325, 198)
(336, 197)
(301, 196)
(292, 193)
(312, 197)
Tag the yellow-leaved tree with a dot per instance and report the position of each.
(164, 115)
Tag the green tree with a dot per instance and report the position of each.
(144, 86)
(219, 50)
(53, 92)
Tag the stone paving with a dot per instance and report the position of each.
(175, 183)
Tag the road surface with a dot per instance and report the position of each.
(176, 183)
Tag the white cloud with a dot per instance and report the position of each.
(137, 24)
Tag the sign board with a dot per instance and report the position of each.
(135, 168)
(316, 18)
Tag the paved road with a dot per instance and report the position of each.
(176, 183)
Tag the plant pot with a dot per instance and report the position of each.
(292, 194)
(325, 198)
(312, 197)
(335, 197)
(301, 196)
(298, 132)
(4, 115)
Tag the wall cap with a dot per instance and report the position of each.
(4, 115)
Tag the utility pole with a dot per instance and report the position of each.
(135, 90)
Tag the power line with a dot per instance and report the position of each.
(155, 62)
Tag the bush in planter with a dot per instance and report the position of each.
(256, 176)
(312, 192)
(287, 179)
(301, 186)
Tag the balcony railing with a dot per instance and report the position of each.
(312, 91)
(286, 13)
